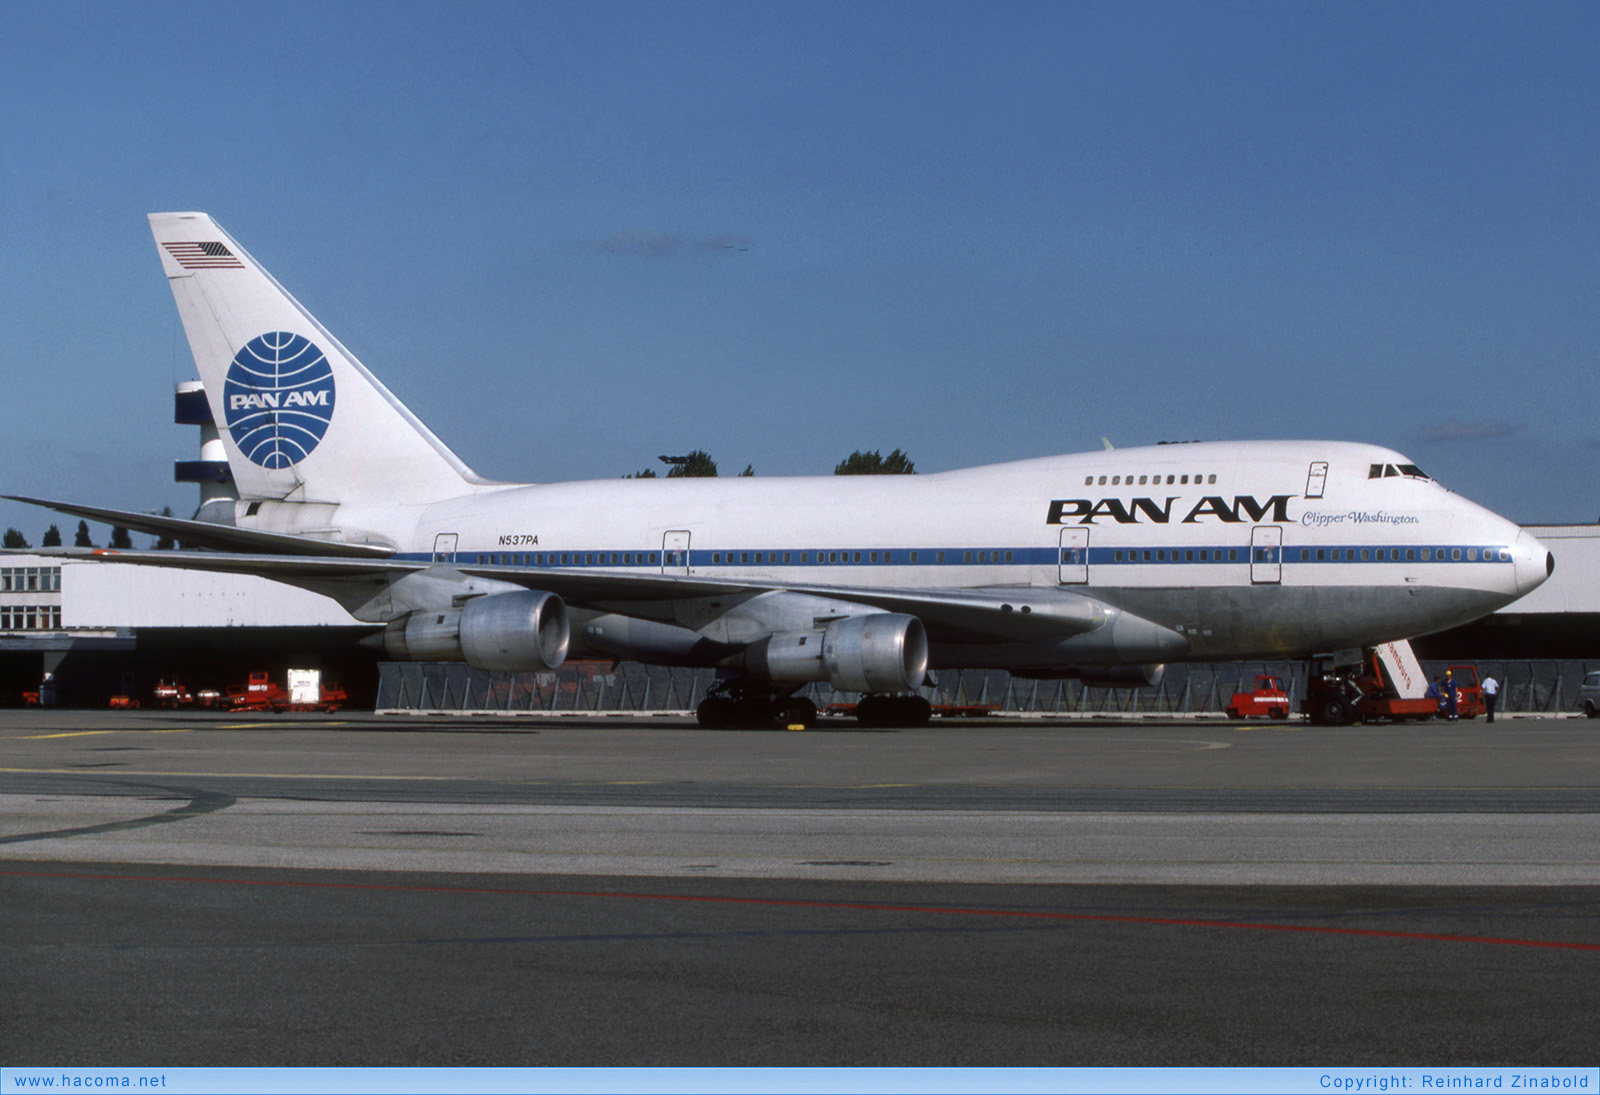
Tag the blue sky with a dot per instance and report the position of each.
(574, 236)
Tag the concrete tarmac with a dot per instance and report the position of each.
(188, 888)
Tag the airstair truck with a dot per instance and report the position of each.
(1376, 683)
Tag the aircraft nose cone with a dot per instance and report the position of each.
(1533, 562)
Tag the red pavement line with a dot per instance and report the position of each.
(1015, 914)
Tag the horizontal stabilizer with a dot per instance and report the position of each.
(206, 534)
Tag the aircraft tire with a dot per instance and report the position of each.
(716, 713)
(1333, 711)
(884, 712)
(913, 711)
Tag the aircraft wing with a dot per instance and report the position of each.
(1013, 614)
(211, 535)
(1019, 613)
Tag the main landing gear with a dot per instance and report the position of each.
(735, 705)
(886, 711)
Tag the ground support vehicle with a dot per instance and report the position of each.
(1589, 695)
(1369, 685)
(260, 694)
(1268, 699)
(171, 694)
(305, 693)
(1469, 691)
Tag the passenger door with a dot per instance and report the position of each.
(1266, 555)
(1316, 479)
(675, 553)
(1074, 559)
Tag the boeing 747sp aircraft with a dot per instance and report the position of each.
(1104, 565)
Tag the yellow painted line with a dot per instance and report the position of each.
(170, 729)
(90, 733)
(72, 734)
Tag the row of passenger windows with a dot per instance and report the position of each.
(828, 557)
(1151, 480)
(1068, 555)
(1188, 555)
(1412, 555)
(30, 579)
(30, 617)
(734, 558)
(1320, 555)
(577, 558)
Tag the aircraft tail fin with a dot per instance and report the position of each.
(301, 419)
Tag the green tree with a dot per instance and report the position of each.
(872, 463)
(648, 473)
(120, 538)
(52, 537)
(749, 470)
(697, 465)
(14, 539)
(164, 541)
(82, 539)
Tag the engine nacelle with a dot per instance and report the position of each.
(506, 631)
(1121, 676)
(884, 652)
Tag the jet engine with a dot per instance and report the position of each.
(507, 631)
(882, 652)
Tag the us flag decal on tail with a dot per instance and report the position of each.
(209, 255)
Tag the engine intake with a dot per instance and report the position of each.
(883, 652)
(505, 631)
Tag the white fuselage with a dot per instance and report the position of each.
(1242, 548)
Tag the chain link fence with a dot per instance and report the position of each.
(1526, 687)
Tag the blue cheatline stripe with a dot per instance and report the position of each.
(702, 558)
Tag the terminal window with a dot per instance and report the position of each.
(30, 617)
(30, 579)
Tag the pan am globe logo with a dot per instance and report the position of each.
(278, 399)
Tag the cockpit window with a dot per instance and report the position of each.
(1388, 471)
